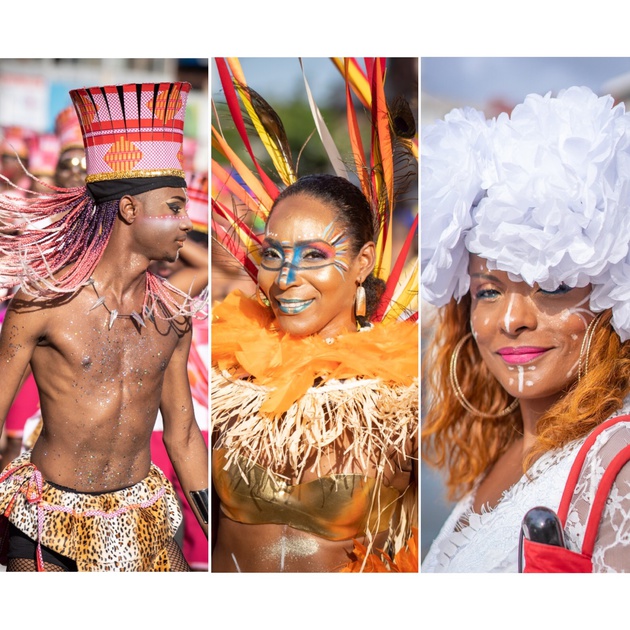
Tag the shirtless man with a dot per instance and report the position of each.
(104, 367)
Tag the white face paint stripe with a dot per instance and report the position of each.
(521, 373)
(238, 569)
(508, 314)
(586, 299)
(577, 310)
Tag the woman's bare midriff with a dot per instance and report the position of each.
(277, 549)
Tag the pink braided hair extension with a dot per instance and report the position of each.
(49, 232)
(42, 235)
(175, 302)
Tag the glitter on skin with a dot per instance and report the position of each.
(105, 383)
(177, 217)
(297, 547)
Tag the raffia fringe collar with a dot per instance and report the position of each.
(367, 398)
(246, 343)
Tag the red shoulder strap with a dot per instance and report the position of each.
(603, 489)
(576, 469)
(601, 496)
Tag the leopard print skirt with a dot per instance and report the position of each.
(125, 530)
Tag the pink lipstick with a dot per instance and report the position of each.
(521, 354)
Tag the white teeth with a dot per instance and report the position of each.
(293, 307)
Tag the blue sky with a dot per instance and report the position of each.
(478, 79)
(473, 79)
(281, 77)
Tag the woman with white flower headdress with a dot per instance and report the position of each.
(526, 254)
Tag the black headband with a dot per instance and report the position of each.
(111, 189)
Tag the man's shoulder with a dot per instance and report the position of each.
(35, 316)
(23, 301)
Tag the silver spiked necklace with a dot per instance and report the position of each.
(113, 313)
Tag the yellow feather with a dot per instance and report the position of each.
(272, 143)
(405, 298)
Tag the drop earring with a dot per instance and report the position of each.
(261, 298)
(360, 308)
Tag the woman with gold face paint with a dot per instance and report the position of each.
(314, 409)
(525, 247)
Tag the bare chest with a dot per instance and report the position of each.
(507, 471)
(85, 344)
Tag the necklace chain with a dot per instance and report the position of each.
(113, 313)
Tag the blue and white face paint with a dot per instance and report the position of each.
(307, 269)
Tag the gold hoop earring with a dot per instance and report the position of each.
(360, 302)
(261, 298)
(585, 350)
(459, 394)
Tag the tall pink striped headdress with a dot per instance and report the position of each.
(133, 139)
(197, 206)
(133, 136)
(68, 129)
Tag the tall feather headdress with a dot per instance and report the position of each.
(243, 194)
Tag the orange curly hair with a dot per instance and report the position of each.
(466, 445)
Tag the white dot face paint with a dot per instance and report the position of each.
(523, 330)
(473, 329)
(162, 225)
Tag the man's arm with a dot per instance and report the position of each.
(193, 278)
(22, 328)
(184, 443)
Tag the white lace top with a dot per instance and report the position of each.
(488, 542)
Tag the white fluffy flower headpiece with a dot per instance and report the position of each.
(456, 170)
(543, 195)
